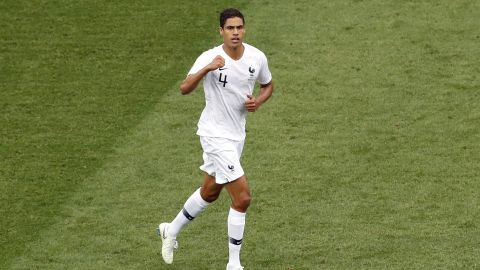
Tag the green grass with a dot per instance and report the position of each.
(367, 156)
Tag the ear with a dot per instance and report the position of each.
(220, 30)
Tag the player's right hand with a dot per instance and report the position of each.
(217, 62)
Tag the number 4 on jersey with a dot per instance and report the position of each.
(224, 81)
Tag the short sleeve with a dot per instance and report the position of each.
(203, 60)
(265, 76)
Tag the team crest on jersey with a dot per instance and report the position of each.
(252, 73)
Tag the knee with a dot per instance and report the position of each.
(242, 202)
(209, 196)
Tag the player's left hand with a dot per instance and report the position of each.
(251, 103)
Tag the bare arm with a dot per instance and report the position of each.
(191, 82)
(253, 103)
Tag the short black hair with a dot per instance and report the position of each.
(230, 13)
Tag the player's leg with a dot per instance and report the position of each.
(169, 231)
(239, 192)
(194, 205)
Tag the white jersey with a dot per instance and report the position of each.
(226, 91)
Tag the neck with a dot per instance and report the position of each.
(234, 52)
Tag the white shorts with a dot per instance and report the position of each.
(221, 158)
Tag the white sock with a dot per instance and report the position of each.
(236, 226)
(191, 209)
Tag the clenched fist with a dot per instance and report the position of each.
(251, 103)
(217, 62)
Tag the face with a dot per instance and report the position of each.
(233, 32)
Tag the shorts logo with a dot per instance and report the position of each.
(231, 167)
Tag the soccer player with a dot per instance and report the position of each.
(229, 72)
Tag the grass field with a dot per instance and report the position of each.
(366, 157)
